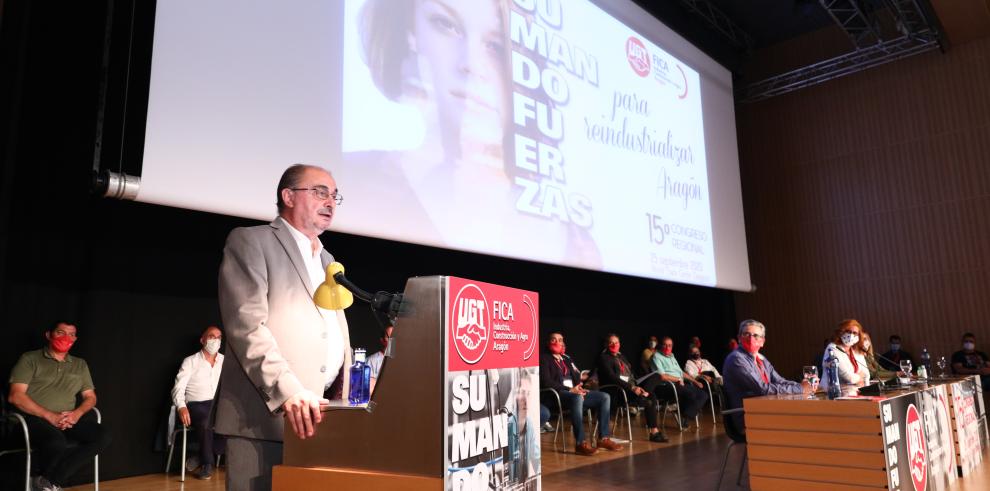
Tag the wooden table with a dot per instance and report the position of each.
(911, 439)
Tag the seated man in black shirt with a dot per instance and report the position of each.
(968, 361)
(891, 360)
(559, 373)
(614, 369)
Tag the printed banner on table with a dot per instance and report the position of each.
(938, 427)
(917, 435)
(967, 410)
(492, 387)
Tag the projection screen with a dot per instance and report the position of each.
(578, 133)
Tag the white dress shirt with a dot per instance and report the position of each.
(197, 379)
(375, 363)
(317, 274)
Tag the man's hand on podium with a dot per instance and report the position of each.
(303, 412)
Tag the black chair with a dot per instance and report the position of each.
(737, 435)
(10, 417)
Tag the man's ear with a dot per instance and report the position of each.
(288, 198)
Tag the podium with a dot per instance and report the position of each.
(456, 405)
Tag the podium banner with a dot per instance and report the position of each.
(967, 413)
(492, 387)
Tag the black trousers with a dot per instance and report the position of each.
(56, 459)
(209, 444)
(691, 397)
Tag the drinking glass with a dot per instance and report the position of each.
(811, 376)
(905, 371)
(942, 364)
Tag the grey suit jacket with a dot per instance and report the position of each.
(276, 336)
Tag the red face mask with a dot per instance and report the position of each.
(752, 345)
(613, 348)
(557, 348)
(666, 350)
(61, 344)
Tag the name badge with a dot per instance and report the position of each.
(624, 378)
(568, 383)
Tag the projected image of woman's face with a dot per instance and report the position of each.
(462, 56)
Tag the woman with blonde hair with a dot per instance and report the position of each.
(865, 347)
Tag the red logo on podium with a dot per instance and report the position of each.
(917, 453)
(471, 324)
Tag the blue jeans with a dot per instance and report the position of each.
(592, 400)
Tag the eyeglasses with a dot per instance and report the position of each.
(752, 335)
(322, 193)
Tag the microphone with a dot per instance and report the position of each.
(337, 292)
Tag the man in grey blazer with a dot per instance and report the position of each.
(283, 352)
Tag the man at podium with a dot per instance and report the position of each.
(284, 353)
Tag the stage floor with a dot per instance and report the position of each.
(691, 460)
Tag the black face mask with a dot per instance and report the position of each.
(695, 356)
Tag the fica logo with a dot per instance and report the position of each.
(638, 56)
(472, 324)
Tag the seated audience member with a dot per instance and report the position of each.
(646, 358)
(545, 419)
(733, 344)
(876, 371)
(559, 373)
(697, 367)
(968, 361)
(690, 393)
(748, 373)
(695, 342)
(376, 359)
(193, 392)
(891, 359)
(615, 369)
(853, 370)
(43, 388)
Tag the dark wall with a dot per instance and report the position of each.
(140, 280)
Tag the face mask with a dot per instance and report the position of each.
(849, 339)
(751, 345)
(895, 347)
(557, 348)
(969, 346)
(61, 344)
(653, 345)
(212, 346)
(613, 348)
(695, 356)
(866, 346)
(667, 350)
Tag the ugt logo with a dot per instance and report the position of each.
(917, 454)
(471, 329)
(638, 56)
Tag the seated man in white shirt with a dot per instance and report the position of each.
(195, 386)
(376, 359)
